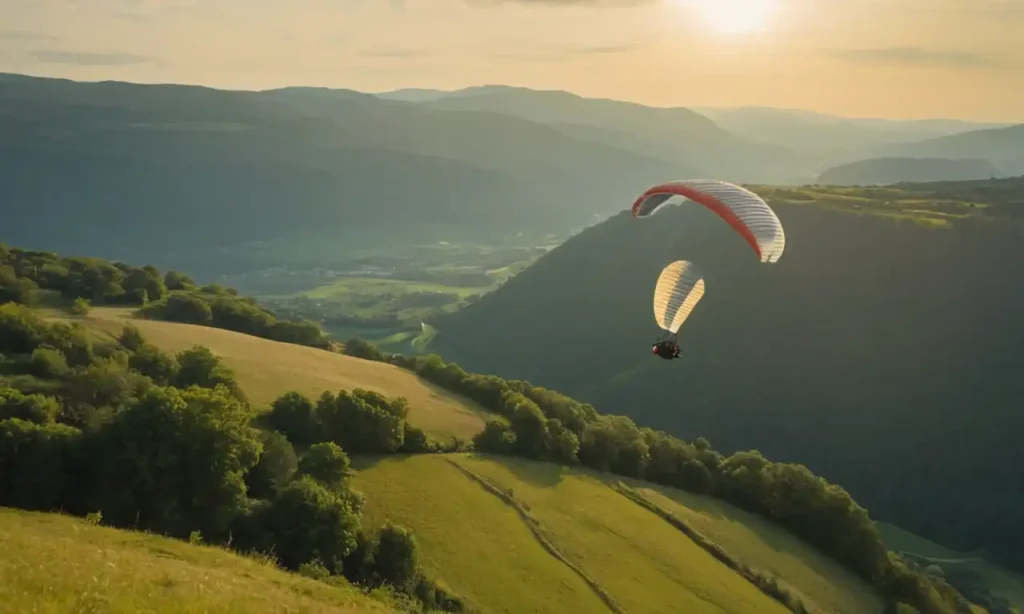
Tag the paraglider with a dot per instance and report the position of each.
(746, 212)
(680, 287)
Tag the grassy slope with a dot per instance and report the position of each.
(646, 565)
(1000, 582)
(266, 369)
(819, 581)
(54, 563)
(470, 540)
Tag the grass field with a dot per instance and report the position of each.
(480, 548)
(644, 563)
(470, 540)
(349, 286)
(54, 563)
(266, 369)
(1001, 582)
(818, 580)
(928, 204)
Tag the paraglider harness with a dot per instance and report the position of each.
(666, 348)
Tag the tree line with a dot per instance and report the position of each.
(543, 424)
(192, 459)
(170, 296)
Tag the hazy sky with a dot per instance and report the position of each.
(891, 58)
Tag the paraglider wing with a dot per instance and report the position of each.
(745, 211)
(680, 287)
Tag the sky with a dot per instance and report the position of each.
(861, 58)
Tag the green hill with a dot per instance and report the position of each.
(267, 369)
(892, 311)
(605, 534)
(693, 142)
(54, 563)
(881, 171)
(1004, 146)
(83, 407)
(232, 158)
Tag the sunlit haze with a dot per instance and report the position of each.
(887, 58)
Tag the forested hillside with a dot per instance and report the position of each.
(260, 178)
(882, 171)
(882, 350)
(1003, 146)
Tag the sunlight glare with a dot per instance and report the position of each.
(733, 16)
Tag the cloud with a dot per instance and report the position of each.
(81, 58)
(548, 52)
(23, 35)
(915, 56)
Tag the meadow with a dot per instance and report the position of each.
(54, 563)
(643, 563)
(267, 369)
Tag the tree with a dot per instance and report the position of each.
(326, 463)
(307, 522)
(185, 308)
(528, 423)
(396, 557)
(351, 421)
(363, 349)
(34, 463)
(178, 458)
(295, 415)
(34, 408)
(131, 338)
(561, 443)
(496, 438)
(178, 281)
(275, 468)
(201, 367)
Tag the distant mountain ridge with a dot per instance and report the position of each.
(882, 171)
(320, 166)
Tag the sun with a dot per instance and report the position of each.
(733, 16)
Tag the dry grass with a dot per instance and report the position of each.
(267, 369)
(55, 564)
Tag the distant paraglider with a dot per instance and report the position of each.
(745, 211)
(680, 287)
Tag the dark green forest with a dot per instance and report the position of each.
(194, 459)
(882, 350)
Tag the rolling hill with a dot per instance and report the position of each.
(267, 369)
(75, 413)
(55, 563)
(890, 325)
(1003, 146)
(882, 171)
(596, 529)
(836, 139)
(690, 141)
(222, 165)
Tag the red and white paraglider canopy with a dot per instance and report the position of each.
(745, 211)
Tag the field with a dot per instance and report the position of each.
(642, 562)
(935, 205)
(818, 580)
(998, 581)
(386, 295)
(267, 369)
(54, 563)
